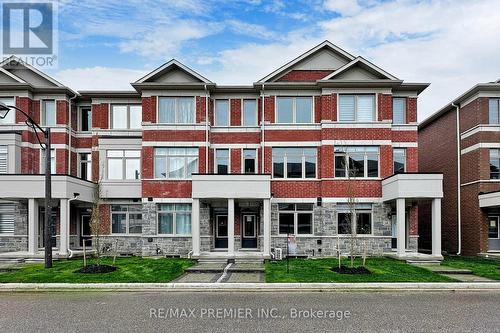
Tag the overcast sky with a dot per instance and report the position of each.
(452, 44)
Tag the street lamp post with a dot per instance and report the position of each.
(47, 237)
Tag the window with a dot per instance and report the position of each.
(11, 115)
(296, 218)
(494, 111)
(294, 110)
(4, 159)
(493, 227)
(85, 119)
(126, 219)
(494, 163)
(124, 164)
(249, 112)
(85, 166)
(222, 161)
(7, 218)
(294, 162)
(221, 112)
(363, 214)
(48, 112)
(356, 162)
(249, 161)
(52, 161)
(126, 116)
(176, 110)
(357, 108)
(174, 219)
(399, 110)
(399, 158)
(176, 163)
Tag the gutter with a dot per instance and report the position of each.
(459, 201)
(262, 127)
(206, 129)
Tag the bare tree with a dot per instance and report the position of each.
(96, 226)
(351, 201)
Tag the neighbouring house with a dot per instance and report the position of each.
(189, 167)
(468, 155)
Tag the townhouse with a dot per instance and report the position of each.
(462, 140)
(191, 168)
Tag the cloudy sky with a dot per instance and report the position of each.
(452, 44)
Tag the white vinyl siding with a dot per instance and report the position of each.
(360, 108)
(6, 219)
(4, 158)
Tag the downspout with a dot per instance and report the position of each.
(206, 129)
(262, 128)
(70, 134)
(459, 208)
(69, 224)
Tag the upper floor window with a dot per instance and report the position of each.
(296, 218)
(85, 119)
(7, 218)
(363, 213)
(399, 159)
(494, 163)
(126, 116)
(399, 110)
(221, 112)
(48, 112)
(356, 162)
(11, 115)
(126, 219)
(294, 110)
(86, 166)
(249, 112)
(174, 219)
(176, 163)
(294, 162)
(52, 161)
(124, 164)
(249, 160)
(494, 110)
(4, 159)
(176, 110)
(222, 161)
(357, 108)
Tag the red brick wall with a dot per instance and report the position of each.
(329, 107)
(304, 75)
(411, 110)
(147, 162)
(62, 112)
(105, 216)
(269, 109)
(149, 109)
(317, 109)
(327, 162)
(200, 109)
(100, 116)
(474, 113)
(235, 110)
(384, 107)
(166, 189)
(235, 160)
(386, 162)
(411, 159)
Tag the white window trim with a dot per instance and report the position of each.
(370, 211)
(295, 221)
(124, 165)
(405, 110)
(365, 176)
(498, 226)
(498, 105)
(176, 98)
(43, 113)
(127, 220)
(228, 112)
(174, 222)
(285, 167)
(256, 160)
(79, 113)
(375, 95)
(79, 171)
(228, 162)
(405, 159)
(13, 103)
(294, 109)
(167, 163)
(256, 111)
(128, 105)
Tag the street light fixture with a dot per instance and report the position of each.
(4, 110)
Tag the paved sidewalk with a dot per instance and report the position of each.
(220, 273)
(459, 274)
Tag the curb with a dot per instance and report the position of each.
(252, 287)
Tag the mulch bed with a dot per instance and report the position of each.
(96, 269)
(351, 270)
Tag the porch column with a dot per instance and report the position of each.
(64, 227)
(230, 226)
(195, 227)
(267, 227)
(401, 223)
(32, 226)
(436, 227)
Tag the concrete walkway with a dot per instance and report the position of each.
(460, 274)
(224, 273)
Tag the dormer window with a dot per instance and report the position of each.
(176, 110)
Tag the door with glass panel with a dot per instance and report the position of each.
(85, 232)
(221, 232)
(249, 232)
(494, 233)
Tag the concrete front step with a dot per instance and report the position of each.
(424, 262)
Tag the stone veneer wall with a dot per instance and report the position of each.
(19, 240)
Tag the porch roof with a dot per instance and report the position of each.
(412, 186)
(237, 186)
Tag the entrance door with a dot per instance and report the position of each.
(221, 232)
(85, 232)
(249, 235)
(493, 233)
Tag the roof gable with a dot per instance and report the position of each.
(325, 56)
(7, 77)
(27, 73)
(173, 72)
(360, 69)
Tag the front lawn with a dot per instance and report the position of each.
(318, 270)
(133, 269)
(479, 266)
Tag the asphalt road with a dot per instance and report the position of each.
(250, 312)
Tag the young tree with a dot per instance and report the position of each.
(96, 226)
(351, 172)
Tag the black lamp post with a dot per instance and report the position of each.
(4, 110)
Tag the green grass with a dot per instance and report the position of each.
(318, 270)
(133, 269)
(479, 266)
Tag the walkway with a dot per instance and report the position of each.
(460, 274)
(221, 272)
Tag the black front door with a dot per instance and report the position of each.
(85, 232)
(221, 232)
(249, 232)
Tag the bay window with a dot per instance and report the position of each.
(494, 163)
(174, 219)
(176, 110)
(363, 214)
(126, 219)
(399, 110)
(126, 116)
(494, 111)
(11, 115)
(221, 112)
(175, 163)
(294, 162)
(249, 117)
(296, 218)
(123, 164)
(294, 110)
(359, 108)
(356, 162)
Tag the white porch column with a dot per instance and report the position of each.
(64, 227)
(401, 223)
(230, 226)
(32, 226)
(267, 227)
(195, 227)
(436, 227)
